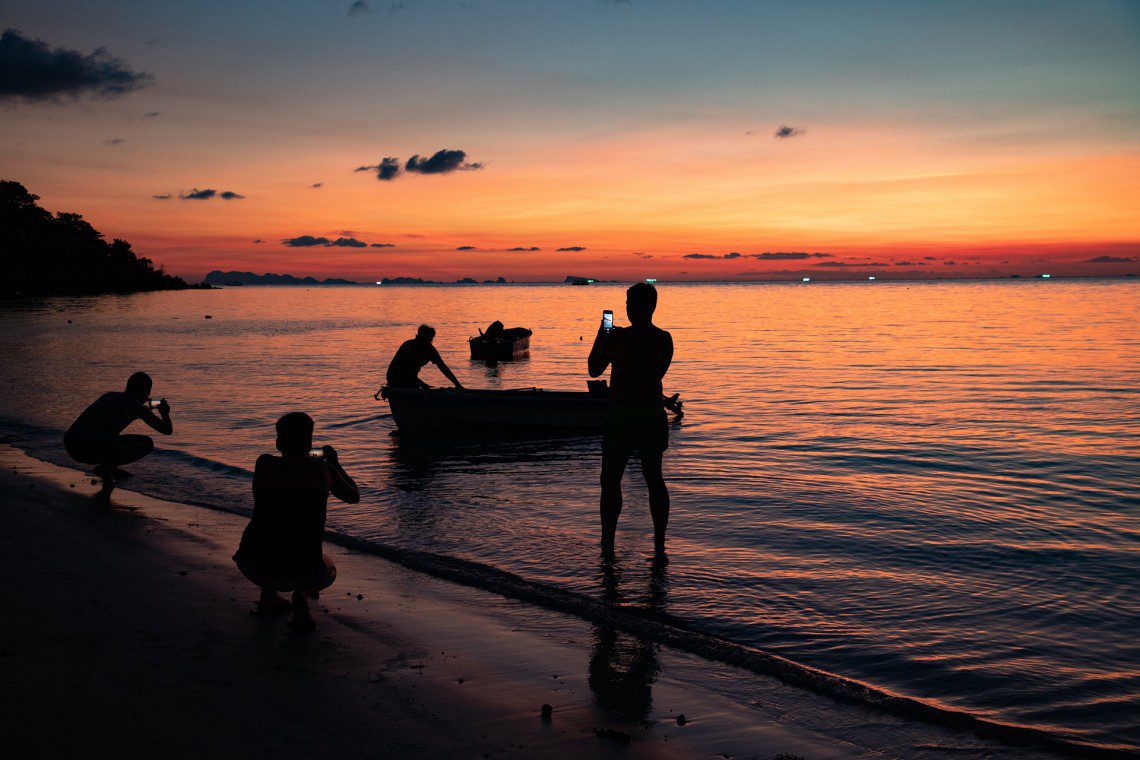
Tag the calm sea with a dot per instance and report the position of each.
(932, 487)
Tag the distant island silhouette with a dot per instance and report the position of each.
(218, 277)
(60, 254)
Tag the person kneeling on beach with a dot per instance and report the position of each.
(96, 435)
(281, 547)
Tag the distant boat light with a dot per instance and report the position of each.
(651, 280)
(1046, 276)
(807, 279)
(379, 282)
(871, 277)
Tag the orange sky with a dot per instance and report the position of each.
(1004, 144)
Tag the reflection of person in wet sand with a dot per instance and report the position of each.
(623, 667)
(640, 355)
(281, 547)
(96, 435)
(412, 356)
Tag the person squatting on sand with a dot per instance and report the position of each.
(281, 547)
(640, 355)
(96, 435)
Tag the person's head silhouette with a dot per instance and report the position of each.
(139, 385)
(640, 302)
(425, 334)
(295, 433)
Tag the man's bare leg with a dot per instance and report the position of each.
(658, 497)
(613, 467)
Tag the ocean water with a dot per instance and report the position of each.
(931, 488)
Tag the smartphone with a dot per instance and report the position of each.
(607, 320)
(152, 404)
(317, 452)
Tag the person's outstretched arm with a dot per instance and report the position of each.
(599, 356)
(439, 362)
(160, 422)
(342, 486)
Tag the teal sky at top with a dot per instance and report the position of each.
(443, 70)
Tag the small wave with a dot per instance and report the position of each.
(358, 421)
(675, 633)
(212, 465)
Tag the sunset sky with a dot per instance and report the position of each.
(892, 138)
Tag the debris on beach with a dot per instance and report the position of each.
(547, 711)
(359, 597)
(682, 720)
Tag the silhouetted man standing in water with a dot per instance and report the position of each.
(412, 356)
(96, 435)
(640, 355)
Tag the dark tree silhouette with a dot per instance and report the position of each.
(61, 254)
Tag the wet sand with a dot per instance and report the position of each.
(126, 633)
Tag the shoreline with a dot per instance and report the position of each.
(523, 655)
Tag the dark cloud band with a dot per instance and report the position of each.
(33, 71)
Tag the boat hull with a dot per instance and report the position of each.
(493, 413)
(500, 349)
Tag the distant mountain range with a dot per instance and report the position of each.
(218, 277)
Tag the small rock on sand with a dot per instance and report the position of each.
(547, 711)
(359, 597)
(682, 720)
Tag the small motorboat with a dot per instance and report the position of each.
(499, 343)
(419, 411)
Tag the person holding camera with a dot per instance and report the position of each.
(640, 356)
(281, 548)
(96, 435)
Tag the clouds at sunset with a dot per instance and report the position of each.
(32, 70)
(441, 162)
(206, 194)
(1011, 143)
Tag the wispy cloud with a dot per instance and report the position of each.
(1110, 260)
(31, 70)
(443, 161)
(524, 248)
(348, 242)
(849, 265)
(115, 140)
(383, 245)
(573, 248)
(305, 241)
(163, 197)
(317, 185)
(785, 131)
(466, 248)
(207, 193)
(359, 6)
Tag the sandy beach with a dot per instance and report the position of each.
(127, 633)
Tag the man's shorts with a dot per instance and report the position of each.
(635, 428)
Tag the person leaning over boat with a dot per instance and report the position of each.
(640, 355)
(412, 356)
(281, 547)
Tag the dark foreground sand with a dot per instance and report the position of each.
(125, 633)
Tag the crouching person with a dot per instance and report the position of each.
(281, 547)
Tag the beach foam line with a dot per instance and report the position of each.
(672, 632)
